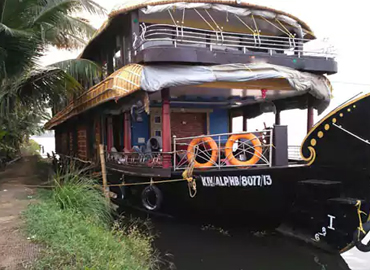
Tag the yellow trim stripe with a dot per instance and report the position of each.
(317, 125)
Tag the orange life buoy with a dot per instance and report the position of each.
(212, 145)
(256, 146)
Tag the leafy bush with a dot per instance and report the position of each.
(30, 148)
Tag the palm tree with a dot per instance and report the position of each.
(27, 28)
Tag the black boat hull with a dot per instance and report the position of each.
(326, 201)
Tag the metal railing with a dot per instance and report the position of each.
(157, 35)
(216, 154)
(141, 159)
(294, 152)
(241, 150)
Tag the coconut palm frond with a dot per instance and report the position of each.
(92, 7)
(27, 27)
(53, 11)
(81, 69)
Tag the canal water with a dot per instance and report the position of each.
(188, 245)
(192, 246)
(202, 247)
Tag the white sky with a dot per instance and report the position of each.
(344, 23)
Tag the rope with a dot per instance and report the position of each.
(359, 212)
(286, 33)
(282, 25)
(200, 15)
(218, 27)
(255, 25)
(151, 182)
(188, 175)
(245, 24)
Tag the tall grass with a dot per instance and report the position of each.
(78, 192)
(74, 223)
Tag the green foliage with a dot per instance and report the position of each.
(73, 222)
(27, 28)
(30, 148)
(78, 192)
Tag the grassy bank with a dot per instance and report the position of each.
(74, 224)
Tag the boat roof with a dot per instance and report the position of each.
(237, 84)
(130, 5)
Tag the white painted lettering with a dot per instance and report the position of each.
(218, 183)
(256, 179)
(268, 180)
(204, 181)
(237, 182)
(331, 222)
(250, 180)
(241, 180)
(209, 180)
(244, 181)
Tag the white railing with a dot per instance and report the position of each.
(139, 158)
(157, 35)
(215, 150)
(210, 151)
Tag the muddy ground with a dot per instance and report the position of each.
(16, 193)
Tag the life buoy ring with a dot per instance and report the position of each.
(358, 235)
(191, 152)
(152, 198)
(256, 145)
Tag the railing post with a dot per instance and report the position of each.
(174, 153)
(271, 145)
(219, 152)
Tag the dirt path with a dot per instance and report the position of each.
(16, 252)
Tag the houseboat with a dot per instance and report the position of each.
(176, 73)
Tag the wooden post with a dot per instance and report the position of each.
(103, 170)
(166, 128)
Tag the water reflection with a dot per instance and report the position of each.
(194, 248)
(186, 246)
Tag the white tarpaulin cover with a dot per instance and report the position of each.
(155, 78)
(243, 12)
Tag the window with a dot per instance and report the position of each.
(158, 133)
(157, 119)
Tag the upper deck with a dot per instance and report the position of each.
(210, 33)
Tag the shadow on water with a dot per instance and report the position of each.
(188, 245)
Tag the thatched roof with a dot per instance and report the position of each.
(130, 5)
